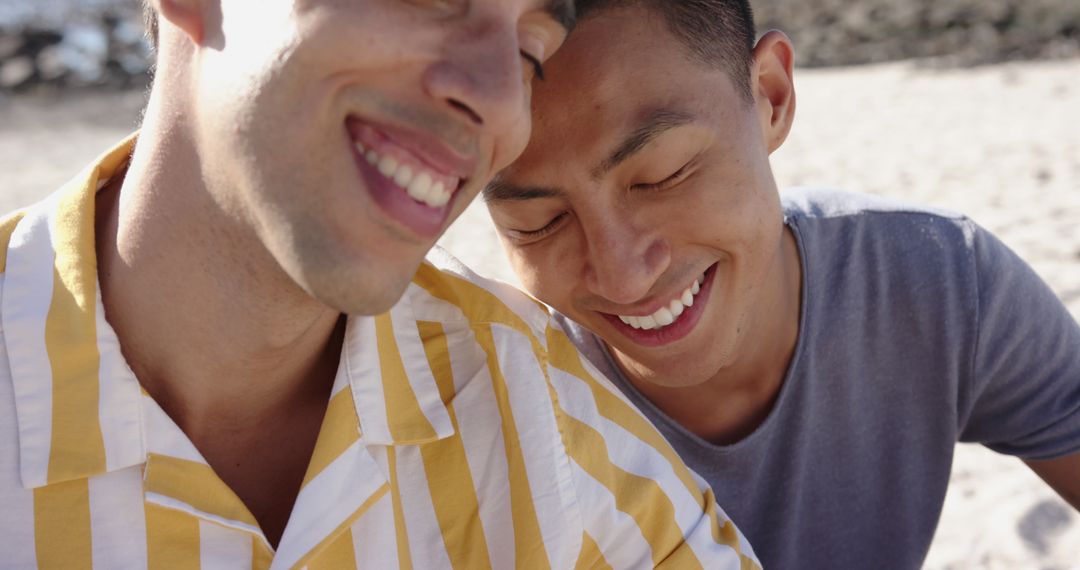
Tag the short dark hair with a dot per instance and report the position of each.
(715, 32)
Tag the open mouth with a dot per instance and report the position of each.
(672, 321)
(410, 177)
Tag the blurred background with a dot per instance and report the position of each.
(971, 105)
(80, 43)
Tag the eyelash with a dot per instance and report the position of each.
(538, 68)
(554, 223)
(537, 234)
(665, 182)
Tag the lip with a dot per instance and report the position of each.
(683, 325)
(425, 147)
(422, 220)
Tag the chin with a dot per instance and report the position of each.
(361, 298)
(678, 380)
(358, 288)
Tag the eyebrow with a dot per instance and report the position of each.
(562, 11)
(655, 123)
(500, 191)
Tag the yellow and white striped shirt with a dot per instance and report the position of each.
(463, 431)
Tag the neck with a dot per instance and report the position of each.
(211, 325)
(737, 399)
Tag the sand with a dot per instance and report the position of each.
(999, 143)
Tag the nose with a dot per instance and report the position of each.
(623, 262)
(479, 78)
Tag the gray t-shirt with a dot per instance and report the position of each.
(918, 329)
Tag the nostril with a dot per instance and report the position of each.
(467, 111)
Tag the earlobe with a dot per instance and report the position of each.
(185, 15)
(774, 87)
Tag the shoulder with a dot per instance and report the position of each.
(813, 203)
(591, 455)
(830, 221)
(637, 497)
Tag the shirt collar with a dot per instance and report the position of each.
(77, 402)
(390, 364)
(405, 367)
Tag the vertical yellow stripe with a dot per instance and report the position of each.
(71, 341)
(453, 491)
(404, 556)
(338, 555)
(591, 558)
(340, 429)
(565, 356)
(641, 498)
(62, 525)
(403, 412)
(344, 527)
(745, 562)
(529, 551)
(7, 227)
(261, 556)
(172, 539)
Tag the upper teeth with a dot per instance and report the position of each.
(421, 185)
(667, 314)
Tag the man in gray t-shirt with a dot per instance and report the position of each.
(816, 357)
(918, 329)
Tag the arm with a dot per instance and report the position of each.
(1062, 474)
(639, 503)
(1023, 396)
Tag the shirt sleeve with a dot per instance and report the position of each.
(640, 505)
(1025, 374)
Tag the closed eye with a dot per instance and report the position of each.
(538, 68)
(675, 177)
(533, 235)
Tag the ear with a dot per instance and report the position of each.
(186, 15)
(773, 86)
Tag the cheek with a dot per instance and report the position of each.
(542, 274)
(531, 273)
(738, 216)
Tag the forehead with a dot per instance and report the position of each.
(562, 11)
(614, 56)
(619, 67)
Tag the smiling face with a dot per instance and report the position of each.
(347, 135)
(644, 207)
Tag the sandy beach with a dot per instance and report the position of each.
(999, 143)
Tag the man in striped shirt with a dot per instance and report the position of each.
(217, 349)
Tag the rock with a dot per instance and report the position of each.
(84, 51)
(101, 42)
(128, 32)
(835, 32)
(134, 64)
(50, 64)
(10, 44)
(15, 72)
